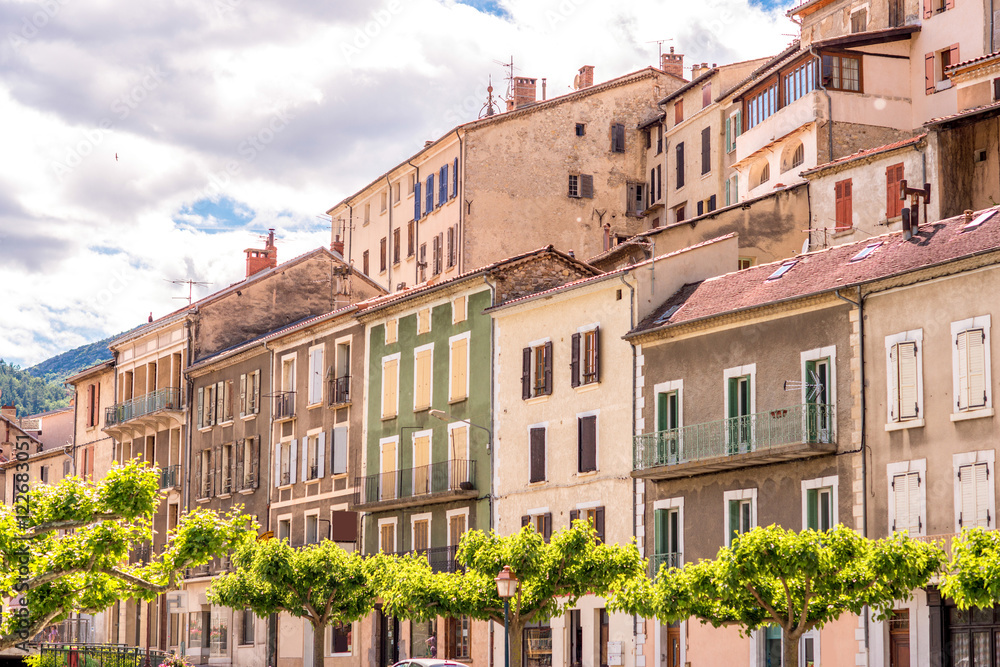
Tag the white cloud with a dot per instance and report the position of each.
(284, 108)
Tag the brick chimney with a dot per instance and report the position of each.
(672, 63)
(10, 412)
(524, 91)
(698, 69)
(260, 260)
(337, 246)
(585, 79)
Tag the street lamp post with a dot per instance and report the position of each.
(506, 587)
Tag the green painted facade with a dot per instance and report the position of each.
(475, 408)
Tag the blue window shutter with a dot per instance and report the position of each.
(429, 205)
(443, 186)
(454, 179)
(416, 201)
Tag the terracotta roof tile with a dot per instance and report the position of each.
(826, 270)
(968, 112)
(868, 152)
(971, 61)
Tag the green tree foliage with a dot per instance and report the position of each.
(321, 583)
(553, 576)
(65, 547)
(797, 581)
(30, 394)
(972, 578)
(71, 362)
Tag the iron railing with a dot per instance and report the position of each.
(451, 475)
(340, 390)
(760, 432)
(98, 655)
(170, 477)
(168, 398)
(670, 559)
(284, 405)
(140, 554)
(196, 572)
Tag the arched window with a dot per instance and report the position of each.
(765, 174)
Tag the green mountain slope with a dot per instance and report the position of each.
(28, 393)
(69, 363)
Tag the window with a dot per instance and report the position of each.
(452, 250)
(384, 202)
(617, 138)
(974, 490)
(457, 636)
(668, 420)
(541, 521)
(581, 129)
(635, 199)
(706, 150)
(799, 81)
(43, 474)
(286, 453)
(971, 365)
(422, 262)
(574, 185)
(424, 321)
(387, 535)
(575, 639)
(312, 529)
(585, 366)
(203, 474)
(906, 496)
(339, 451)
(382, 254)
(679, 157)
(196, 629)
(679, 213)
(761, 105)
(667, 533)
(592, 515)
(659, 138)
(437, 252)
(365, 266)
(897, 13)
(819, 497)
(411, 237)
(207, 405)
(581, 185)
(396, 245)
(443, 185)
(387, 469)
(284, 529)
(819, 393)
(227, 468)
(454, 179)
(458, 363)
(390, 385)
(706, 94)
(537, 645)
(734, 127)
(732, 189)
(842, 72)
(740, 384)
(423, 639)
(859, 21)
(395, 193)
(893, 202)
(905, 377)
(391, 331)
(844, 209)
(798, 155)
(536, 455)
(368, 213)
(340, 639)
(764, 175)
(586, 443)
(93, 404)
(423, 359)
(315, 455)
(411, 184)
(429, 195)
(219, 636)
(741, 512)
(248, 460)
(678, 112)
(536, 371)
(459, 309)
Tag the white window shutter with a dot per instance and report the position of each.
(913, 499)
(908, 380)
(900, 506)
(315, 375)
(976, 368)
(305, 459)
(982, 495)
(967, 486)
(961, 341)
(277, 464)
(321, 453)
(894, 384)
(339, 450)
(294, 449)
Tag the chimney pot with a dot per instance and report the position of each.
(261, 259)
(673, 63)
(586, 76)
(337, 246)
(524, 91)
(968, 216)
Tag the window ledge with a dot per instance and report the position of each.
(972, 414)
(202, 500)
(454, 401)
(587, 473)
(285, 487)
(537, 399)
(386, 418)
(909, 423)
(318, 404)
(539, 483)
(205, 429)
(245, 492)
(590, 386)
(252, 415)
(228, 422)
(223, 496)
(310, 482)
(841, 231)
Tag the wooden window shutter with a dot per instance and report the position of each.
(950, 4)
(525, 520)
(597, 354)
(547, 525)
(679, 111)
(97, 404)
(255, 466)
(574, 364)
(679, 150)
(893, 204)
(429, 204)
(526, 373)
(574, 515)
(848, 205)
(954, 60)
(293, 460)
(711, 203)
(700, 208)
(454, 179)
(537, 455)
(928, 9)
(321, 453)
(217, 469)
(443, 186)
(201, 407)
(200, 493)
(599, 523)
(277, 464)
(220, 402)
(548, 368)
(928, 70)
(338, 454)
(239, 466)
(587, 443)
(907, 362)
(416, 200)
(706, 150)
(729, 133)
(587, 186)
(243, 394)
(90, 405)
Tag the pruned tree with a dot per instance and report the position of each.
(552, 577)
(797, 581)
(321, 583)
(64, 548)
(972, 578)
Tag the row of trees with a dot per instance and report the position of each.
(64, 549)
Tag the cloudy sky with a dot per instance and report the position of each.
(146, 142)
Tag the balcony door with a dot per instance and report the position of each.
(387, 477)
(739, 427)
(421, 465)
(667, 421)
(819, 422)
(667, 538)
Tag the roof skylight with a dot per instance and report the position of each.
(783, 269)
(867, 250)
(668, 313)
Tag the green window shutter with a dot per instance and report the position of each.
(662, 408)
(810, 372)
(729, 134)
(734, 519)
(734, 384)
(812, 509)
(660, 535)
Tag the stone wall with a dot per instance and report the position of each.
(538, 275)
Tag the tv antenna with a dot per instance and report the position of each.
(659, 46)
(509, 66)
(190, 284)
(815, 387)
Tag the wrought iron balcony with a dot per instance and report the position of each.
(795, 432)
(674, 559)
(197, 572)
(284, 405)
(168, 398)
(340, 390)
(422, 485)
(170, 477)
(441, 559)
(140, 554)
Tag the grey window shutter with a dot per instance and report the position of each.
(243, 394)
(321, 453)
(255, 466)
(235, 483)
(217, 466)
(277, 464)
(599, 523)
(294, 449)
(574, 364)
(701, 207)
(525, 520)
(339, 450)
(201, 407)
(547, 525)
(597, 354)
(199, 491)
(220, 402)
(711, 201)
(454, 179)
(416, 201)
(679, 150)
(305, 459)
(574, 515)
(587, 443)
(706, 150)
(526, 373)
(537, 455)
(548, 368)
(587, 186)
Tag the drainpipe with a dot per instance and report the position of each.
(829, 100)
(493, 439)
(350, 234)
(416, 233)
(388, 238)
(461, 201)
(189, 387)
(631, 325)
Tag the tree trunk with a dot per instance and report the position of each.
(790, 650)
(319, 635)
(516, 635)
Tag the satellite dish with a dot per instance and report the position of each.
(805, 246)
(576, 82)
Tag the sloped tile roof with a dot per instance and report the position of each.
(867, 152)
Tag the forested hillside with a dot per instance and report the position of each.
(28, 393)
(69, 363)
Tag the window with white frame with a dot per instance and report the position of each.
(285, 527)
(669, 419)
(458, 525)
(585, 348)
(341, 640)
(587, 442)
(536, 369)
(312, 528)
(819, 393)
(459, 309)
(458, 364)
(971, 365)
(387, 468)
(819, 503)
(315, 375)
(424, 321)
(423, 363)
(249, 393)
(905, 377)
(420, 532)
(227, 468)
(286, 458)
(391, 331)
(740, 390)
(314, 464)
(907, 496)
(390, 386)
(769, 643)
(539, 518)
(387, 535)
(975, 502)
(741, 512)
(668, 533)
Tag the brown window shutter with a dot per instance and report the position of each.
(90, 405)
(537, 455)
(706, 150)
(587, 186)
(97, 404)
(240, 462)
(599, 523)
(548, 368)
(929, 73)
(525, 520)
(950, 4)
(547, 525)
(574, 364)
(217, 465)
(573, 516)
(679, 111)
(848, 208)
(255, 467)
(928, 9)
(587, 443)
(955, 59)
(526, 373)
(597, 354)
(344, 526)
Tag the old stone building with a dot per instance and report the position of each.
(551, 171)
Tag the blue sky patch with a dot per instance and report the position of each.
(487, 7)
(218, 215)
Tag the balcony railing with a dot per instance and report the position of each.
(139, 554)
(119, 655)
(168, 398)
(170, 477)
(340, 390)
(284, 405)
(456, 475)
(773, 432)
(670, 559)
(441, 559)
(197, 572)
